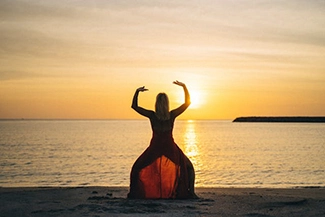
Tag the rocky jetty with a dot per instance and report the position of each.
(298, 119)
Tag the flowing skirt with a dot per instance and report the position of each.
(161, 171)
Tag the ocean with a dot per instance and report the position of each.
(69, 153)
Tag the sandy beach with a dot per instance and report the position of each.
(112, 201)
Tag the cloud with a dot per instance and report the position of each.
(154, 32)
(23, 44)
(13, 75)
(15, 10)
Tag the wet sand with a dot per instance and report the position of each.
(111, 201)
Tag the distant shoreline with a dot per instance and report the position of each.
(284, 119)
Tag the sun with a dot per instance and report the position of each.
(196, 99)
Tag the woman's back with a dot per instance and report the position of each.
(158, 125)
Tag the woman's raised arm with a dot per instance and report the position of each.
(187, 102)
(135, 106)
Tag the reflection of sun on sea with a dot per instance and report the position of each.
(191, 149)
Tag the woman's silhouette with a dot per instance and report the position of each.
(162, 170)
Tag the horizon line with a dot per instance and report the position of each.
(96, 119)
(135, 119)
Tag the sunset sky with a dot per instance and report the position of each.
(84, 59)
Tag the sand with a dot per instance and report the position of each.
(111, 201)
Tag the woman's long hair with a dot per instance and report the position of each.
(162, 107)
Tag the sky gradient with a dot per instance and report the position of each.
(84, 59)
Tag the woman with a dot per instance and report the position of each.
(162, 170)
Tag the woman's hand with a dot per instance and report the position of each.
(142, 89)
(179, 83)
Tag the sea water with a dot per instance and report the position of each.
(102, 152)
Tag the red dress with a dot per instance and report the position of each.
(161, 170)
